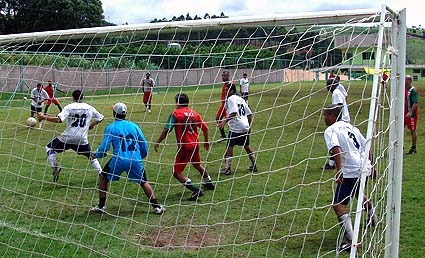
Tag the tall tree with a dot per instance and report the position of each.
(19, 16)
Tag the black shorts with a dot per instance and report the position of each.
(57, 146)
(346, 190)
(35, 109)
(244, 95)
(240, 139)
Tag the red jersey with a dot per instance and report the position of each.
(186, 123)
(49, 90)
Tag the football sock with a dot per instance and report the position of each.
(345, 221)
(331, 162)
(252, 158)
(189, 185)
(102, 201)
(51, 156)
(154, 203)
(228, 162)
(96, 165)
(413, 147)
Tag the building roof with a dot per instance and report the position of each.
(354, 41)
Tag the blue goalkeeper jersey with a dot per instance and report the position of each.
(127, 140)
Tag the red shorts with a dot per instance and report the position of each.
(221, 112)
(147, 97)
(411, 122)
(185, 156)
(49, 101)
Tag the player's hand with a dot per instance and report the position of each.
(41, 116)
(206, 145)
(222, 124)
(409, 114)
(339, 178)
(91, 126)
(155, 147)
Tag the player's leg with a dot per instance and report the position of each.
(51, 148)
(341, 199)
(218, 117)
(33, 111)
(229, 154)
(196, 163)
(371, 211)
(180, 163)
(145, 99)
(47, 106)
(85, 150)
(149, 101)
(412, 127)
(56, 102)
(40, 122)
(103, 189)
(251, 155)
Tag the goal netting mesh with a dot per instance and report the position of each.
(283, 210)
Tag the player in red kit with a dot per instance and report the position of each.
(50, 89)
(186, 122)
(221, 113)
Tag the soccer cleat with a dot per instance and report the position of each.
(411, 151)
(225, 171)
(327, 166)
(208, 184)
(159, 210)
(56, 171)
(253, 168)
(96, 209)
(196, 195)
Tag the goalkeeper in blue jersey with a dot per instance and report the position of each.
(129, 148)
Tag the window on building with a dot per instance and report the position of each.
(415, 77)
(422, 72)
(368, 55)
(416, 70)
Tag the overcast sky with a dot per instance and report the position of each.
(141, 11)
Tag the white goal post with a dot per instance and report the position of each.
(283, 210)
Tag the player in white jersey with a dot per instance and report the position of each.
(244, 87)
(77, 116)
(147, 86)
(347, 145)
(38, 96)
(341, 87)
(338, 97)
(239, 119)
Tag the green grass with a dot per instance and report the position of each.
(284, 210)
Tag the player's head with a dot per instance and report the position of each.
(408, 81)
(230, 89)
(182, 100)
(332, 113)
(245, 75)
(49, 82)
(77, 95)
(148, 74)
(331, 84)
(337, 78)
(119, 110)
(39, 86)
(225, 76)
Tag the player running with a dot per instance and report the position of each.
(186, 122)
(129, 148)
(50, 89)
(77, 116)
(347, 145)
(239, 119)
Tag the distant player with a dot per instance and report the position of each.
(129, 148)
(347, 145)
(338, 97)
(186, 122)
(147, 86)
(77, 116)
(411, 111)
(239, 119)
(38, 96)
(341, 87)
(244, 87)
(221, 113)
(50, 89)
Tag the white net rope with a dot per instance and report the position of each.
(284, 209)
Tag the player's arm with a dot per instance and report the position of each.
(167, 129)
(336, 153)
(105, 146)
(97, 118)
(204, 128)
(224, 121)
(414, 107)
(53, 119)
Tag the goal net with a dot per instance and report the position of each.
(282, 210)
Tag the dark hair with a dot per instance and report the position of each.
(77, 95)
(119, 116)
(39, 85)
(331, 84)
(244, 74)
(334, 109)
(182, 99)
